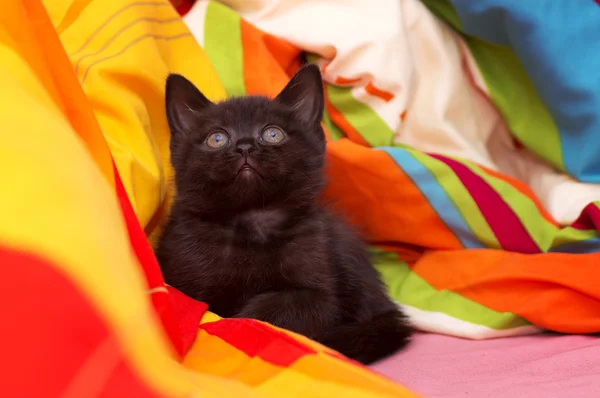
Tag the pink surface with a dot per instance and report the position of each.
(533, 366)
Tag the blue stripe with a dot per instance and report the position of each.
(583, 247)
(557, 42)
(436, 195)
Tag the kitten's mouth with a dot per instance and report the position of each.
(247, 170)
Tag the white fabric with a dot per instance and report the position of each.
(401, 48)
(438, 322)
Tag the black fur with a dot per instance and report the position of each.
(254, 242)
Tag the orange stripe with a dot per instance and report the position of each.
(553, 290)
(384, 95)
(403, 115)
(57, 76)
(269, 62)
(326, 131)
(381, 199)
(344, 80)
(410, 254)
(73, 12)
(284, 53)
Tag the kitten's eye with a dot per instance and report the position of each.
(272, 135)
(217, 140)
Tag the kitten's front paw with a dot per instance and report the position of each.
(300, 311)
(262, 307)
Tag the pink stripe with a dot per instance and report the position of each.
(507, 227)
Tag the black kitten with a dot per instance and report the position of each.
(247, 234)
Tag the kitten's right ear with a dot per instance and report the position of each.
(183, 100)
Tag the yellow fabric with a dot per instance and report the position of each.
(122, 53)
(60, 202)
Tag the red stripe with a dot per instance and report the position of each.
(180, 315)
(504, 223)
(50, 331)
(145, 256)
(589, 218)
(256, 339)
(184, 6)
(141, 247)
(188, 313)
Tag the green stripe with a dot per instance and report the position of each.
(445, 11)
(223, 45)
(460, 196)
(361, 116)
(544, 233)
(406, 287)
(511, 90)
(334, 131)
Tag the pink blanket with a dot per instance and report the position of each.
(532, 366)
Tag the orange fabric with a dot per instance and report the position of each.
(88, 312)
(258, 46)
(377, 181)
(505, 281)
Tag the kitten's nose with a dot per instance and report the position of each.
(244, 149)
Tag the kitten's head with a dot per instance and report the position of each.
(247, 152)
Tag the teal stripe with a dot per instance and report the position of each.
(436, 196)
(582, 247)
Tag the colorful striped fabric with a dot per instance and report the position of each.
(84, 149)
(455, 160)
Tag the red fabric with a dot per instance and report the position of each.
(188, 313)
(52, 337)
(179, 314)
(147, 260)
(257, 339)
(183, 6)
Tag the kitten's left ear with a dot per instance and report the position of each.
(304, 94)
(182, 100)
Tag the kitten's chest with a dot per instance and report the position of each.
(235, 274)
(258, 227)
